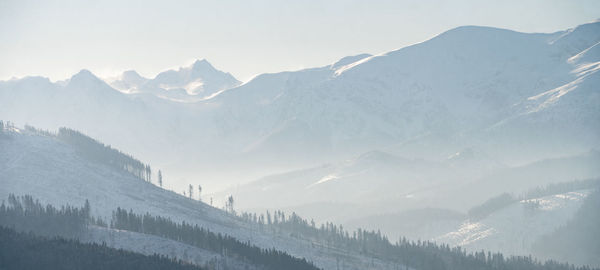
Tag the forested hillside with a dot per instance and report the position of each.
(418, 255)
(20, 251)
(28, 215)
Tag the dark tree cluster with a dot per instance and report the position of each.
(29, 215)
(202, 238)
(98, 152)
(418, 255)
(25, 251)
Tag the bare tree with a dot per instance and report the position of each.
(160, 178)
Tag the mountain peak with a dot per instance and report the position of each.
(84, 79)
(84, 74)
(129, 79)
(467, 32)
(201, 64)
(132, 75)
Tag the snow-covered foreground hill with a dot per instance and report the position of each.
(56, 173)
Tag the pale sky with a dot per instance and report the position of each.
(56, 39)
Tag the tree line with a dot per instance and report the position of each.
(203, 238)
(98, 152)
(23, 213)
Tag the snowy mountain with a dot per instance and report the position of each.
(458, 86)
(516, 97)
(198, 81)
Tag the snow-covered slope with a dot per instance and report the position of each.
(513, 229)
(569, 113)
(54, 172)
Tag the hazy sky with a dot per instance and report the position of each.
(247, 37)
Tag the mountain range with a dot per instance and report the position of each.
(508, 94)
